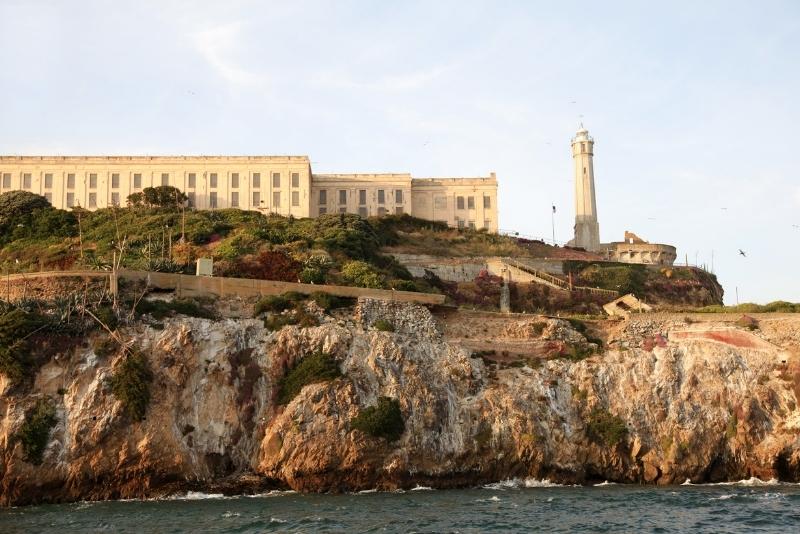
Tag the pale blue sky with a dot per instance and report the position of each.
(693, 105)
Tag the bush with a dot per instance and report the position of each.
(107, 317)
(361, 274)
(328, 302)
(160, 309)
(163, 196)
(384, 420)
(317, 367)
(34, 434)
(272, 303)
(130, 383)
(383, 325)
(604, 428)
(105, 347)
(15, 354)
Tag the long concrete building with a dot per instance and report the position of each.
(283, 185)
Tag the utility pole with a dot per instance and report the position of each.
(553, 223)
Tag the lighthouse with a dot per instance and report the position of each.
(587, 229)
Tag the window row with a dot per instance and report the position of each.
(191, 180)
(363, 211)
(362, 197)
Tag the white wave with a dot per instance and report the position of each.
(687, 482)
(517, 483)
(724, 497)
(493, 498)
(421, 488)
(751, 482)
(273, 493)
(363, 492)
(231, 514)
(276, 520)
(196, 496)
(605, 483)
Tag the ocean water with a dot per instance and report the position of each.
(510, 506)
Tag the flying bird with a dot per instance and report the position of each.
(742, 253)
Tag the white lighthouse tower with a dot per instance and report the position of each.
(587, 229)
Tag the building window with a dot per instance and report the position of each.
(92, 181)
(192, 180)
(362, 196)
(70, 200)
(382, 212)
(212, 180)
(471, 203)
(487, 202)
(295, 179)
(584, 171)
(115, 199)
(381, 196)
(362, 211)
(212, 199)
(115, 181)
(190, 200)
(256, 198)
(92, 200)
(276, 199)
(440, 202)
(342, 210)
(48, 181)
(137, 181)
(235, 180)
(256, 179)
(234, 199)
(323, 210)
(398, 210)
(398, 197)
(26, 181)
(164, 178)
(460, 203)
(70, 181)
(276, 179)
(295, 198)
(323, 197)
(583, 149)
(6, 180)
(49, 197)
(342, 196)
(460, 223)
(471, 225)
(487, 223)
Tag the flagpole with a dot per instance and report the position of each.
(553, 223)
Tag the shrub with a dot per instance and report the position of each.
(272, 303)
(384, 420)
(315, 270)
(604, 428)
(383, 325)
(361, 274)
(107, 317)
(163, 196)
(328, 302)
(160, 309)
(105, 346)
(130, 383)
(404, 285)
(267, 265)
(317, 367)
(34, 434)
(15, 358)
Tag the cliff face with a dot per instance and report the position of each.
(702, 401)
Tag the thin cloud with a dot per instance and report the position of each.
(401, 82)
(218, 46)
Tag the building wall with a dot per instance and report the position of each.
(364, 194)
(246, 182)
(645, 253)
(459, 202)
(271, 184)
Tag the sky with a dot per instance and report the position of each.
(693, 105)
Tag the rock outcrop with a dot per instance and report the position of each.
(705, 402)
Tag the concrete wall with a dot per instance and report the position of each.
(17, 285)
(465, 269)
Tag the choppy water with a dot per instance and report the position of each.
(511, 506)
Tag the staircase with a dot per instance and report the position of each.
(525, 273)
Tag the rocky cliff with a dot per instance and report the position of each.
(663, 401)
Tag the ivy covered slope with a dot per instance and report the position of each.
(155, 232)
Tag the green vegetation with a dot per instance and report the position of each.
(779, 306)
(383, 325)
(328, 302)
(384, 420)
(272, 303)
(16, 326)
(105, 346)
(160, 309)
(163, 196)
(361, 274)
(316, 367)
(604, 428)
(34, 434)
(130, 383)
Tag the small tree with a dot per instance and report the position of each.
(163, 196)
